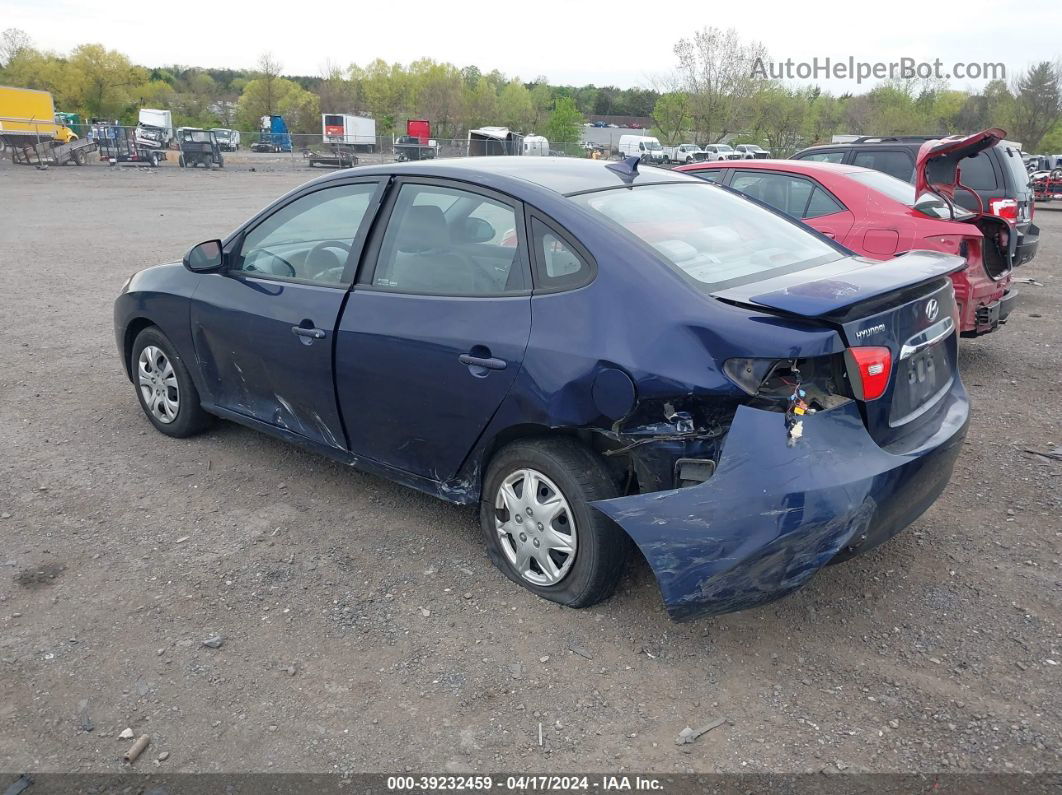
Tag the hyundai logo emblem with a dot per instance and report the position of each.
(932, 309)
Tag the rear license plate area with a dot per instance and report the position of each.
(920, 379)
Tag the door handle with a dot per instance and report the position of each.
(312, 333)
(477, 361)
(830, 235)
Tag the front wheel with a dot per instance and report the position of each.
(180, 161)
(164, 388)
(539, 527)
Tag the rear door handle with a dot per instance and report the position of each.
(312, 333)
(476, 361)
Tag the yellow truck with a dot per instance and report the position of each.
(27, 113)
(29, 127)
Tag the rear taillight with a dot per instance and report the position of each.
(871, 368)
(1004, 208)
(774, 383)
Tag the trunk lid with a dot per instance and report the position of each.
(938, 169)
(906, 305)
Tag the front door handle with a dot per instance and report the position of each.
(478, 361)
(312, 333)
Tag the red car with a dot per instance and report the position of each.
(879, 216)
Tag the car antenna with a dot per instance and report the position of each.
(626, 168)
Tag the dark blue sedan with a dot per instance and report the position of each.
(596, 355)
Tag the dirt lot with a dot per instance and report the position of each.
(363, 627)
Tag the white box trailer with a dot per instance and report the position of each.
(349, 130)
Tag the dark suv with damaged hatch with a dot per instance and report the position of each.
(594, 354)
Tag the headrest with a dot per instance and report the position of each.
(423, 228)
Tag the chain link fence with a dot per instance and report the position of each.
(113, 144)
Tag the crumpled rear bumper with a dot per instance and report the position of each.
(773, 515)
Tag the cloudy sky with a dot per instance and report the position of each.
(621, 43)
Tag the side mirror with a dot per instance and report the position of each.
(204, 258)
(476, 230)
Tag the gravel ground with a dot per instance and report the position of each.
(363, 627)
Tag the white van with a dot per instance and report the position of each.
(645, 147)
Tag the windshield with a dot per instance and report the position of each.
(724, 148)
(652, 145)
(713, 236)
(222, 133)
(904, 192)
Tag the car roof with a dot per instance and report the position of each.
(562, 175)
(796, 166)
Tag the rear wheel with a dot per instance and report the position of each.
(180, 161)
(164, 388)
(539, 527)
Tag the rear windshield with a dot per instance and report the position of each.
(708, 233)
(904, 192)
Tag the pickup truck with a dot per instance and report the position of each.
(684, 153)
(752, 152)
(720, 152)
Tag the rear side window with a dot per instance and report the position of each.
(1012, 164)
(559, 264)
(976, 172)
(823, 157)
(890, 161)
(447, 241)
(820, 204)
(781, 191)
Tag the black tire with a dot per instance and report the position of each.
(221, 162)
(190, 418)
(180, 161)
(580, 475)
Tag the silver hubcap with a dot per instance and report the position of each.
(535, 527)
(158, 384)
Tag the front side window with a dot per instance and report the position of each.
(446, 241)
(710, 174)
(309, 239)
(714, 237)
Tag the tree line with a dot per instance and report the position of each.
(712, 95)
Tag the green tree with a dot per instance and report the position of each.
(1037, 105)
(13, 42)
(482, 105)
(514, 106)
(541, 102)
(279, 95)
(102, 82)
(437, 93)
(671, 115)
(564, 122)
